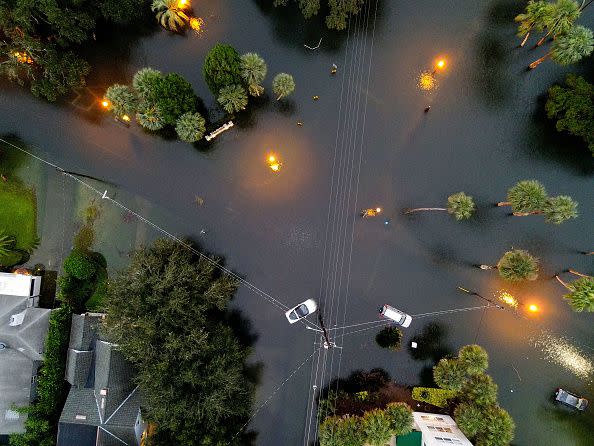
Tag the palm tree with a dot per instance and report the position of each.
(190, 127)
(7, 243)
(535, 17)
(560, 18)
(150, 118)
(253, 71)
(525, 196)
(569, 48)
(460, 205)
(170, 14)
(559, 209)
(233, 98)
(283, 85)
(581, 292)
(122, 99)
(516, 265)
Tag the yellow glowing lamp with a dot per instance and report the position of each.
(440, 64)
(182, 4)
(533, 308)
(271, 159)
(126, 118)
(275, 167)
(105, 103)
(378, 210)
(196, 23)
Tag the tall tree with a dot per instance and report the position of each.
(283, 85)
(560, 18)
(581, 292)
(449, 374)
(572, 106)
(167, 312)
(570, 47)
(516, 265)
(170, 14)
(253, 72)
(222, 67)
(233, 98)
(534, 19)
(474, 358)
(525, 196)
(460, 205)
(377, 427)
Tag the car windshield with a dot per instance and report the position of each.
(302, 310)
(402, 319)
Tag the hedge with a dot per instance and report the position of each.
(433, 396)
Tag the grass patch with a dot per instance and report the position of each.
(18, 219)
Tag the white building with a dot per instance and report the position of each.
(21, 285)
(439, 430)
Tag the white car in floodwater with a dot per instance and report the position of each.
(400, 317)
(302, 310)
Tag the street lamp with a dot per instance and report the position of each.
(105, 104)
(439, 65)
(533, 308)
(274, 163)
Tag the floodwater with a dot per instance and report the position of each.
(366, 142)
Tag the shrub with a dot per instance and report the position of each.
(222, 67)
(174, 96)
(389, 337)
(150, 118)
(190, 127)
(341, 431)
(123, 100)
(433, 396)
(474, 358)
(79, 265)
(233, 98)
(400, 417)
(283, 85)
(145, 82)
(449, 374)
(499, 428)
(376, 426)
(470, 419)
(480, 390)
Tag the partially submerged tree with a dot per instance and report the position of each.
(499, 428)
(572, 106)
(122, 99)
(233, 98)
(174, 96)
(470, 419)
(570, 47)
(516, 265)
(150, 118)
(534, 19)
(222, 67)
(581, 292)
(253, 72)
(167, 312)
(145, 82)
(449, 374)
(341, 431)
(377, 428)
(170, 14)
(480, 390)
(283, 85)
(339, 10)
(559, 209)
(400, 417)
(460, 205)
(190, 127)
(560, 18)
(474, 358)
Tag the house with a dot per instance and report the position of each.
(23, 330)
(433, 430)
(103, 405)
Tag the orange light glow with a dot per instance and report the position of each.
(274, 163)
(196, 24)
(508, 299)
(378, 210)
(182, 4)
(105, 103)
(126, 118)
(275, 167)
(426, 81)
(440, 64)
(533, 308)
(23, 57)
(271, 159)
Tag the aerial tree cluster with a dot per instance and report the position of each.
(556, 22)
(460, 205)
(374, 427)
(516, 265)
(41, 41)
(167, 311)
(339, 10)
(231, 77)
(581, 292)
(477, 413)
(529, 197)
(572, 107)
(158, 101)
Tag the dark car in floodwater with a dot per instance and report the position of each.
(570, 399)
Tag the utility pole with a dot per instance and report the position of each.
(327, 342)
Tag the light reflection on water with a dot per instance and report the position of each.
(560, 351)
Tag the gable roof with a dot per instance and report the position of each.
(23, 330)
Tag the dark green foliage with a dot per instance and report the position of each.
(389, 337)
(527, 196)
(581, 295)
(474, 358)
(79, 265)
(50, 33)
(123, 99)
(166, 311)
(400, 417)
(340, 10)
(145, 82)
(376, 426)
(341, 431)
(174, 97)
(449, 374)
(222, 67)
(499, 428)
(43, 414)
(559, 209)
(7, 243)
(480, 390)
(572, 107)
(470, 419)
(517, 265)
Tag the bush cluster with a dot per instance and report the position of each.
(433, 396)
(478, 414)
(375, 427)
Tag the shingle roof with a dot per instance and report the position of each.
(78, 366)
(83, 331)
(77, 434)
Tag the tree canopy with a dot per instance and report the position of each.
(166, 311)
(222, 67)
(41, 40)
(461, 206)
(572, 107)
(518, 264)
(339, 10)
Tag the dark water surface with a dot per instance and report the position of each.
(365, 143)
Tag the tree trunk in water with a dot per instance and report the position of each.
(525, 39)
(279, 98)
(586, 5)
(537, 62)
(562, 283)
(544, 38)
(575, 273)
(524, 214)
(410, 211)
(504, 203)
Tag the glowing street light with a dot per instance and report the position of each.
(439, 65)
(105, 104)
(126, 118)
(533, 308)
(274, 163)
(196, 23)
(182, 4)
(371, 212)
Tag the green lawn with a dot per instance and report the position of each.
(18, 217)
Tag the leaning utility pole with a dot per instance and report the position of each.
(327, 342)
